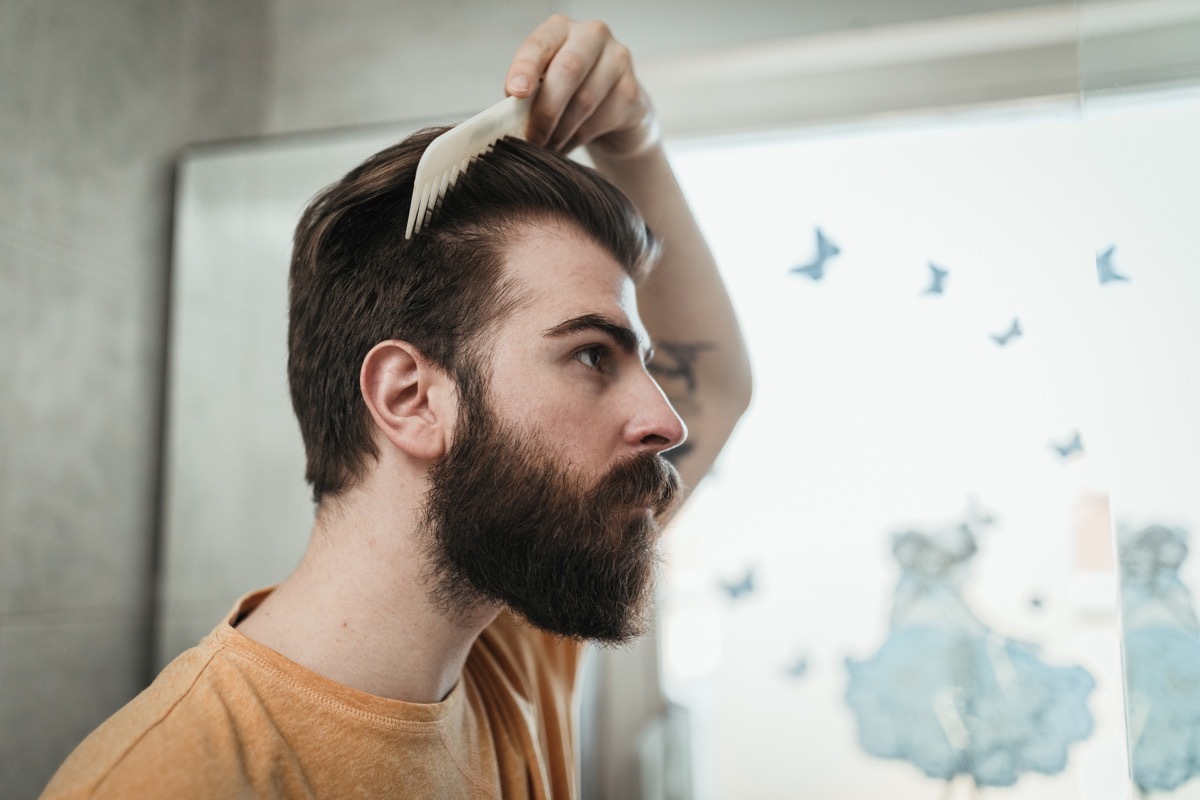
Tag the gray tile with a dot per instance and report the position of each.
(1167, 56)
(59, 680)
(9, 291)
(77, 507)
(17, 92)
(224, 69)
(658, 27)
(105, 125)
(183, 625)
(377, 61)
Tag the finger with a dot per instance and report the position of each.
(565, 73)
(613, 63)
(602, 120)
(534, 54)
(624, 123)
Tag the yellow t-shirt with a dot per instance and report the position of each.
(231, 718)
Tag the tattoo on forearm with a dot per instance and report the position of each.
(677, 360)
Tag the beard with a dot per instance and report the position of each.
(507, 521)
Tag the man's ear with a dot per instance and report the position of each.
(412, 402)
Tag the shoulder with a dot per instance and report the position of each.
(176, 732)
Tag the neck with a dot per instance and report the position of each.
(357, 608)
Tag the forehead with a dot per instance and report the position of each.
(563, 273)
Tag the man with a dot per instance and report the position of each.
(485, 440)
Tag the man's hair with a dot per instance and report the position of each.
(356, 281)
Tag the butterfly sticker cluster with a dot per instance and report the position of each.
(737, 586)
(826, 251)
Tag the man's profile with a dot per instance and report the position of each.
(485, 440)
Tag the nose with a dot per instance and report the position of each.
(655, 426)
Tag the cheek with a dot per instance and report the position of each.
(542, 392)
(572, 415)
(581, 427)
(563, 415)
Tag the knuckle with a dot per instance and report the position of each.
(623, 57)
(599, 29)
(627, 89)
(585, 100)
(539, 43)
(571, 65)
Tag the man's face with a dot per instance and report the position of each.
(551, 496)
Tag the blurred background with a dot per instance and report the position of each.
(960, 235)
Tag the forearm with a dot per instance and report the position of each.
(701, 360)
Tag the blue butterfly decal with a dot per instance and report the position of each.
(1105, 270)
(739, 588)
(1070, 447)
(937, 279)
(1014, 331)
(797, 668)
(815, 269)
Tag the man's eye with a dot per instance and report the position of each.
(593, 357)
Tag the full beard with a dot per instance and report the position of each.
(507, 522)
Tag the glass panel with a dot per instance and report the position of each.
(1140, 67)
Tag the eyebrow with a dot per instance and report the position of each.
(623, 335)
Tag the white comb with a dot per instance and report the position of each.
(449, 155)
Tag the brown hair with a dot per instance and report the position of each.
(356, 281)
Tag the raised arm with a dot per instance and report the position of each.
(589, 96)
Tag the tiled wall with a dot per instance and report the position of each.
(379, 61)
(95, 100)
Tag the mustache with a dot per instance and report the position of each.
(646, 479)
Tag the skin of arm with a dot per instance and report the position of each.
(589, 96)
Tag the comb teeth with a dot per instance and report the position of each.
(450, 155)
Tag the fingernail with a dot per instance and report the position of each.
(519, 84)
